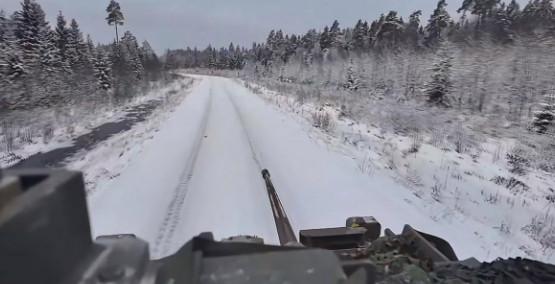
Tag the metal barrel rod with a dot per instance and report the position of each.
(284, 230)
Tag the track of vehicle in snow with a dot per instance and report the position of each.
(172, 216)
(166, 200)
(225, 153)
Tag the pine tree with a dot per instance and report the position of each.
(439, 21)
(352, 80)
(115, 16)
(325, 39)
(412, 31)
(102, 72)
(271, 40)
(309, 39)
(358, 42)
(77, 51)
(391, 29)
(31, 29)
(538, 14)
(123, 81)
(335, 34)
(134, 55)
(3, 26)
(11, 67)
(256, 73)
(543, 118)
(119, 58)
(513, 11)
(481, 8)
(414, 19)
(439, 87)
(48, 59)
(61, 39)
(4, 44)
(90, 46)
(11, 64)
(152, 64)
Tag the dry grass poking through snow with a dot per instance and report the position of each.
(27, 132)
(459, 165)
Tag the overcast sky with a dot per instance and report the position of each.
(181, 23)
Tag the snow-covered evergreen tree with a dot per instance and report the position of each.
(412, 31)
(325, 39)
(130, 44)
(437, 24)
(439, 87)
(11, 65)
(5, 45)
(75, 39)
(359, 40)
(152, 64)
(545, 115)
(309, 39)
(102, 72)
(480, 8)
(335, 34)
(391, 29)
(31, 29)
(119, 58)
(48, 56)
(353, 82)
(61, 33)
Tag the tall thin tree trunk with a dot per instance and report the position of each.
(117, 36)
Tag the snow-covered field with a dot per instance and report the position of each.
(510, 214)
(200, 172)
(24, 133)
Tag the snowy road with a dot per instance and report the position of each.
(201, 172)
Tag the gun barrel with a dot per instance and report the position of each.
(284, 230)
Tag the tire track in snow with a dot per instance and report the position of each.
(172, 216)
(251, 145)
(283, 226)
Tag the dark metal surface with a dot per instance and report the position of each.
(333, 238)
(432, 247)
(45, 235)
(372, 226)
(45, 238)
(285, 232)
(44, 230)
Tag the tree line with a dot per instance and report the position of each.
(392, 53)
(45, 65)
(502, 22)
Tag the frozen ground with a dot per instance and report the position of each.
(24, 133)
(109, 158)
(475, 187)
(200, 172)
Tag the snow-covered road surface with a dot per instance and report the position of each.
(201, 172)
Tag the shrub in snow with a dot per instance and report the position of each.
(322, 120)
(543, 118)
(542, 229)
(517, 163)
(463, 141)
(504, 228)
(513, 184)
(416, 141)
